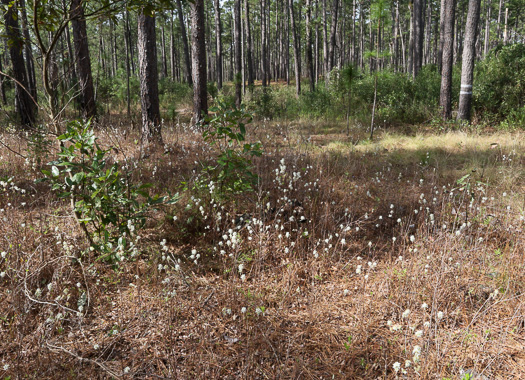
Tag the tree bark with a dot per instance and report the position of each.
(2, 87)
(417, 20)
(31, 74)
(185, 42)
(297, 51)
(325, 39)
(469, 56)
(198, 49)
(441, 34)
(173, 65)
(218, 43)
(78, 22)
(249, 53)
(164, 55)
(333, 31)
(24, 104)
(448, 55)
(264, 39)
(309, 57)
(487, 30)
(149, 77)
(238, 53)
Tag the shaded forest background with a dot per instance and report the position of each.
(85, 59)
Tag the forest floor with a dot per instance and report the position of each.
(398, 258)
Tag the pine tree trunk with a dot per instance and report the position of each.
(309, 57)
(164, 55)
(24, 104)
(441, 35)
(31, 74)
(361, 37)
(249, 53)
(2, 87)
(78, 22)
(448, 56)
(185, 43)
(354, 56)
(469, 56)
(198, 49)
(218, 41)
(130, 43)
(498, 30)
(173, 65)
(333, 31)
(148, 75)
(296, 50)
(264, 37)
(417, 20)
(316, 57)
(325, 40)
(487, 30)
(238, 53)
(287, 45)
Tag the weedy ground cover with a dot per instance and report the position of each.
(398, 258)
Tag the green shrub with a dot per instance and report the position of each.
(107, 205)
(231, 172)
(499, 82)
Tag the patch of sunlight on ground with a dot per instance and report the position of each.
(451, 141)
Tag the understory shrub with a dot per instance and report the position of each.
(108, 206)
(499, 83)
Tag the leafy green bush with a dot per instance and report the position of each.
(172, 93)
(232, 172)
(499, 82)
(107, 205)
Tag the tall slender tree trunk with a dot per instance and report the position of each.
(469, 56)
(486, 45)
(264, 38)
(218, 41)
(173, 65)
(130, 43)
(354, 55)
(445, 98)
(325, 40)
(498, 28)
(23, 102)
(333, 32)
(185, 43)
(296, 50)
(149, 77)
(238, 53)
(128, 72)
(83, 62)
(309, 57)
(441, 34)
(198, 48)
(31, 74)
(417, 27)
(505, 31)
(316, 57)
(361, 37)
(249, 53)
(2, 87)
(164, 55)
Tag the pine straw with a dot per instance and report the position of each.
(321, 318)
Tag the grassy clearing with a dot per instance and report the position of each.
(352, 260)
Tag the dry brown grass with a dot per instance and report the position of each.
(316, 306)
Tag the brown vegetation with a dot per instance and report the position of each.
(344, 246)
